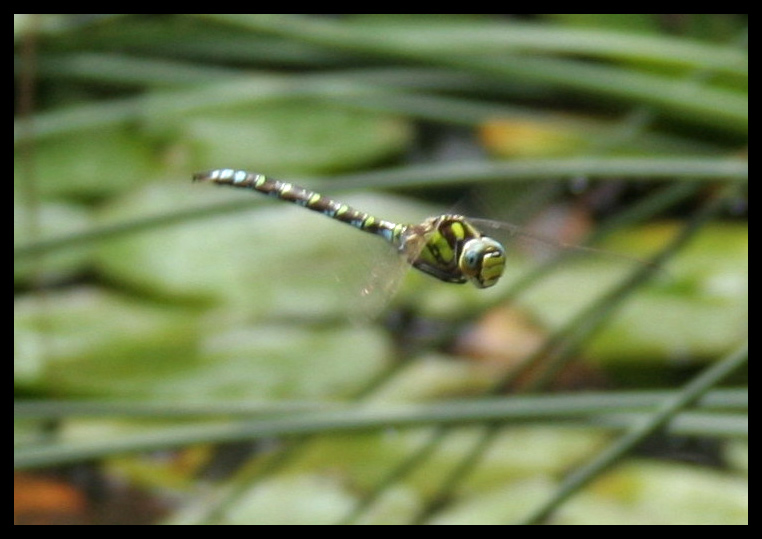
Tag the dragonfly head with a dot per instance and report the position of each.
(482, 261)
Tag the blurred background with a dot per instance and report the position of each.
(185, 353)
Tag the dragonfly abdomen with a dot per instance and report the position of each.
(306, 198)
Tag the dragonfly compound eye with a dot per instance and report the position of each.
(483, 261)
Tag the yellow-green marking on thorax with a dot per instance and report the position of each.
(449, 248)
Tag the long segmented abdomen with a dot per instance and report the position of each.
(311, 200)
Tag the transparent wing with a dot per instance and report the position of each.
(385, 278)
(542, 245)
(381, 285)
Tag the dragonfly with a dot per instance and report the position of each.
(449, 247)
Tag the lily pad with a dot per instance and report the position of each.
(91, 163)
(696, 308)
(295, 138)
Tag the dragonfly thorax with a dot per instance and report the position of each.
(451, 249)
